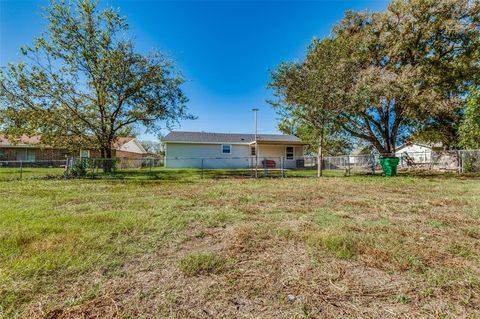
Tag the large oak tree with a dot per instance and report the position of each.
(82, 83)
(405, 66)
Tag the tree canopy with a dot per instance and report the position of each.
(309, 95)
(82, 83)
(392, 71)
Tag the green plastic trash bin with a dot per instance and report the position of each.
(389, 165)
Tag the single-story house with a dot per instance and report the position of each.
(231, 150)
(416, 152)
(30, 148)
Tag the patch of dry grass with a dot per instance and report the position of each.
(284, 248)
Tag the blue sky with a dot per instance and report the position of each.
(224, 49)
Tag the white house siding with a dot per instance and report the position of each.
(276, 152)
(183, 155)
(419, 153)
(190, 155)
(132, 146)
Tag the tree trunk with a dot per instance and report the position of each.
(320, 157)
(107, 160)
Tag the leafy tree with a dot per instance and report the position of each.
(334, 143)
(307, 97)
(440, 129)
(470, 127)
(414, 62)
(154, 147)
(395, 70)
(83, 84)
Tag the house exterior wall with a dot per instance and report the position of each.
(51, 154)
(126, 154)
(186, 155)
(41, 154)
(8, 153)
(419, 153)
(132, 147)
(190, 155)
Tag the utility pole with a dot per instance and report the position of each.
(255, 110)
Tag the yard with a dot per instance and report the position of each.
(359, 246)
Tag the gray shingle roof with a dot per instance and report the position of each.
(205, 137)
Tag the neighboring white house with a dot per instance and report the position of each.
(418, 153)
(228, 150)
(129, 146)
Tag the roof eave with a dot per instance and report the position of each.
(280, 142)
(211, 143)
(24, 146)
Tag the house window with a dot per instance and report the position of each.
(31, 155)
(84, 153)
(289, 152)
(253, 151)
(226, 149)
(2, 153)
(25, 154)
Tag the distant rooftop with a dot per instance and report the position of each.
(35, 140)
(206, 137)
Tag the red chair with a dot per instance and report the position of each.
(269, 163)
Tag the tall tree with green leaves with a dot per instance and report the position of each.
(399, 68)
(82, 83)
(308, 95)
(469, 132)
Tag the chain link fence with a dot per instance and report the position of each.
(14, 170)
(112, 167)
(469, 161)
(462, 161)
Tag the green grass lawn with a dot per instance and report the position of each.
(163, 173)
(359, 246)
(8, 173)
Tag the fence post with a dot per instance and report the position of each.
(66, 168)
(282, 161)
(431, 160)
(21, 169)
(460, 162)
(265, 167)
(202, 168)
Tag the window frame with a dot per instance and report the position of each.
(286, 153)
(29, 153)
(25, 154)
(87, 151)
(222, 150)
(253, 150)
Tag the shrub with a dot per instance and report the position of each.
(79, 168)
